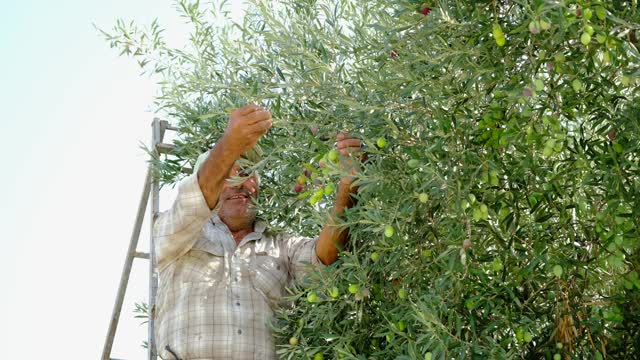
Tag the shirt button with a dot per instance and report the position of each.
(235, 279)
(239, 332)
(238, 303)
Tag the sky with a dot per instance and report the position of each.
(74, 114)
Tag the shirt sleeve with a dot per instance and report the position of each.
(176, 230)
(301, 253)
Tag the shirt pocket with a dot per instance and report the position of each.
(199, 266)
(269, 275)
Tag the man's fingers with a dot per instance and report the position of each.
(349, 143)
(257, 116)
(343, 135)
(248, 109)
(349, 150)
(261, 127)
(265, 124)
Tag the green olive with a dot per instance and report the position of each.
(402, 294)
(312, 297)
(388, 231)
(332, 155)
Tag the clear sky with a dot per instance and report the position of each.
(73, 116)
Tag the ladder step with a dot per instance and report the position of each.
(164, 124)
(163, 148)
(141, 255)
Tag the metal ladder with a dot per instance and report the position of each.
(151, 188)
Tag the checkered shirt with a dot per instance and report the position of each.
(215, 299)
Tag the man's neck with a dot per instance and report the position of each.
(239, 228)
(240, 234)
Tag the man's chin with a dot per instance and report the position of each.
(238, 215)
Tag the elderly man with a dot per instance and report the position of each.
(221, 271)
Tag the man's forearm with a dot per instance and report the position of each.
(246, 125)
(332, 235)
(214, 171)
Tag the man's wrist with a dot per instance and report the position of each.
(347, 182)
(229, 146)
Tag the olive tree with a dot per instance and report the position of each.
(498, 208)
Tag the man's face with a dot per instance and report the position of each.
(236, 201)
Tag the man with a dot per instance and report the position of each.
(221, 272)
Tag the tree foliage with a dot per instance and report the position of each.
(498, 210)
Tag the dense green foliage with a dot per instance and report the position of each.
(499, 209)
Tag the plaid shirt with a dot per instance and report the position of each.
(215, 299)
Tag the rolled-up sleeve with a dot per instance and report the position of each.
(302, 256)
(176, 230)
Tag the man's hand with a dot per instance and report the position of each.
(246, 126)
(348, 144)
(351, 147)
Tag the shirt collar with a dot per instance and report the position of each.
(259, 228)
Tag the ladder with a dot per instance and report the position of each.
(151, 189)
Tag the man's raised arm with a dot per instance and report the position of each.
(246, 126)
(331, 233)
(177, 229)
